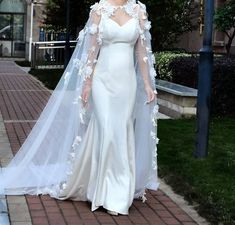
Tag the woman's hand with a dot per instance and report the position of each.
(86, 92)
(151, 94)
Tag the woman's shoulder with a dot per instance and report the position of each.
(140, 7)
(97, 7)
(100, 7)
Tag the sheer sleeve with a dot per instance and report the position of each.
(143, 49)
(145, 114)
(90, 38)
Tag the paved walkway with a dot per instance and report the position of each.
(22, 98)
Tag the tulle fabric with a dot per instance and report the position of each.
(44, 162)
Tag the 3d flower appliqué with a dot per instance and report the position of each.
(93, 29)
(76, 142)
(147, 25)
(66, 77)
(77, 63)
(81, 35)
(88, 71)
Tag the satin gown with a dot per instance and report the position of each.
(105, 171)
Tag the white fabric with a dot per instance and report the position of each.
(109, 147)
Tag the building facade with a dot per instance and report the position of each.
(192, 41)
(15, 26)
(16, 29)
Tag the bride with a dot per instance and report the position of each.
(96, 138)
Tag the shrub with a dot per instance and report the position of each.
(163, 59)
(185, 71)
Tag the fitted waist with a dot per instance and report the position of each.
(114, 56)
(118, 47)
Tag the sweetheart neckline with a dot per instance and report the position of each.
(122, 24)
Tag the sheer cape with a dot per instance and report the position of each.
(44, 162)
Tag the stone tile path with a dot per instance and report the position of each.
(22, 98)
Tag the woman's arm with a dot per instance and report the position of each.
(143, 53)
(93, 44)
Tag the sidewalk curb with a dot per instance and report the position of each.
(179, 200)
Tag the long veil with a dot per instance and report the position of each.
(44, 162)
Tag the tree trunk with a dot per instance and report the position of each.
(229, 44)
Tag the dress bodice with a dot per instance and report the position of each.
(113, 33)
(118, 41)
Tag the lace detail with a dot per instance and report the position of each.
(105, 7)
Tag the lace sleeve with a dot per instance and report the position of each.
(143, 48)
(90, 38)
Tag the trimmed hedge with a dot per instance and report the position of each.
(185, 71)
(163, 59)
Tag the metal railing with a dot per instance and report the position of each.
(49, 54)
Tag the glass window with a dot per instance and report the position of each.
(12, 6)
(5, 27)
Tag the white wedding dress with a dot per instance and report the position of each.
(106, 167)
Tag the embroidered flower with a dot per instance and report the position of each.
(99, 40)
(154, 122)
(72, 154)
(69, 173)
(75, 101)
(153, 72)
(66, 77)
(77, 140)
(81, 114)
(147, 25)
(77, 63)
(64, 185)
(154, 166)
(142, 6)
(157, 140)
(142, 36)
(95, 7)
(143, 197)
(153, 59)
(92, 49)
(81, 35)
(155, 109)
(145, 59)
(153, 135)
(93, 28)
(88, 71)
(148, 49)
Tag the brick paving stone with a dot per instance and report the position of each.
(184, 217)
(171, 221)
(189, 223)
(38, 213)
(22, 99)
(73, 220)
(105, 219)
(164, 213)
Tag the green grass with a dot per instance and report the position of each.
(50, 77)
(209, 181)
